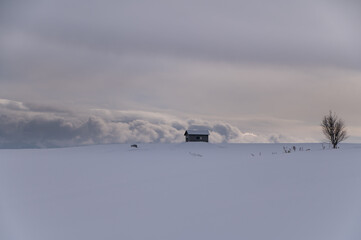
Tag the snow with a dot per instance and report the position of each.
(181, 191)
(197, 132)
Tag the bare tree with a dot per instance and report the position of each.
(334, 129)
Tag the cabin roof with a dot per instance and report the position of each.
(196, 132)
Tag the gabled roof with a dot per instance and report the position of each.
(196, 132)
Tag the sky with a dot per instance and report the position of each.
(92, 72)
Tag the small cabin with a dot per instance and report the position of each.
(196, 135)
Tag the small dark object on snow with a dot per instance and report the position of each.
(134, 146)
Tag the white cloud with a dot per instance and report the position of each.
(23, 127)
(14, 105)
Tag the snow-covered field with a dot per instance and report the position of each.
(181, 191)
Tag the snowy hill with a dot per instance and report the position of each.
(181, 191)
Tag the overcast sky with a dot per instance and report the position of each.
(80, 72)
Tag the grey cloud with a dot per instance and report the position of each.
(303, 32)
(35, 107)
(278, 138)
(12, 105)
(19, 128)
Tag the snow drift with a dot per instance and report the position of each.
(181, 191)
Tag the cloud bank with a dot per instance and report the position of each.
(25, 125)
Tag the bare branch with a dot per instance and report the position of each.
(334, 129)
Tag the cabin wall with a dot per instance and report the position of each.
(196, 138)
